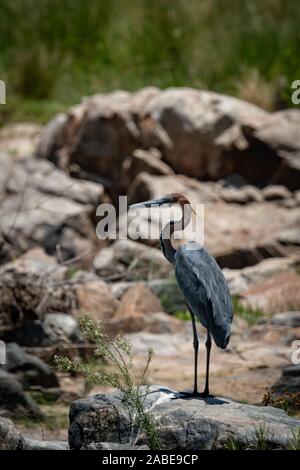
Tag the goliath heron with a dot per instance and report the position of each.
(201, 281)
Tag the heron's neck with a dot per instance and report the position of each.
(171, 227)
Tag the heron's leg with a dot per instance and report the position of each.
(208, 348)
(196, 347)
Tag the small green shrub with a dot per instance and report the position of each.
(289, 402)
(119, 374)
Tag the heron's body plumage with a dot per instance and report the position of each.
(205, 290)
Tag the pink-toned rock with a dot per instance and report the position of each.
(138, 301)
(98, 134)
(197, 127)
(141, 310)
(157, 323)
(276, 294)
(200, 133)
(239, 280)
(95, 299)
(148, 161)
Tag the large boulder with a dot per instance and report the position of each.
(203, 126)
(167, 290)
(13, 399)
(94, 296)
(141, 310)
(29, 370)
(180, 424)
(42, 206)
(138, 300)
(98, 134)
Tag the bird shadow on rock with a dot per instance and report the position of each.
(209, 400)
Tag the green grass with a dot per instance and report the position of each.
(43, 398)
(295, 441)
(53, 420)
(262, 442)
(250, 315)
(183, 315)
(54, 51)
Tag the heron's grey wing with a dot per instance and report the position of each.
(203, 284)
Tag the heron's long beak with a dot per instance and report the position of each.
(152, 203)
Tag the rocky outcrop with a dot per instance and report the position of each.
(200, 133)
(180, 424)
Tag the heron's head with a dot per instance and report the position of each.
(168, 200)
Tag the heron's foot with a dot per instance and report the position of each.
(194, 394)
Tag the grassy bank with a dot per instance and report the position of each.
(54, 51)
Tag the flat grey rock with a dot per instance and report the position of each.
(180, 423)
(115, 446)
(32, 444)
(289, 319)
(289, 382)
